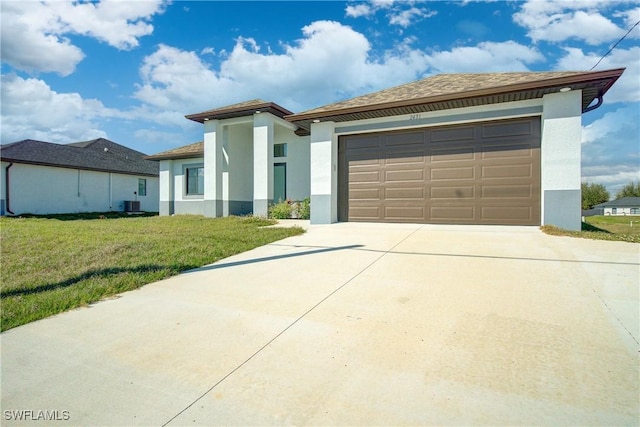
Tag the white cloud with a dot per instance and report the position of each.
(35, 34)
(401, 13)
(30, 109)
(560, 20)
(627, 88)
(180, 81)
(485, 57)
(611, 148)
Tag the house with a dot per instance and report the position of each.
(250, 157)
(486, 148)
(623, 206)
(92, 176)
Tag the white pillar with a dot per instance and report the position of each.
(263, 136)
(166, 188)
(560, 157)
(213, 161)
(324, 173)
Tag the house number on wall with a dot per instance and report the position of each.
(415, 116)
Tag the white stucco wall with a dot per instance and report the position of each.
(297, 160)
(173, 188)
(240, 164)
(48, 190)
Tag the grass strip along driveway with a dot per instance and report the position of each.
(600, 227)
(52, 265)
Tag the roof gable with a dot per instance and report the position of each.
(624, 202)
(448, 91)
(247, 108)
(98, 154)
(185, 152)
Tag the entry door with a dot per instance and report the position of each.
(279, 182)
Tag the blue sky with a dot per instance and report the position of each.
(130, 70)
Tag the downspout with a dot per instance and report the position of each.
(6, 191)
(110, 191)
(597, 104)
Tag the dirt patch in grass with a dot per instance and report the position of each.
(50, 265)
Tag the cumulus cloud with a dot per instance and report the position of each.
(30, 109)
(35, 34)
(401, 13)
(560, 20)
(611, 148)
(627, 88)
(485, 57)
(297, 77)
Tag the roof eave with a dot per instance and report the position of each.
(267, 107)
(564, 81)
(157, 157)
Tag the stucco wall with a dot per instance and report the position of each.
(297, 160)
(173, 188)
(48, 190)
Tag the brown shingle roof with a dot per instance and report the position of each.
(241, 109)
(98, 154)
(448, 91)
(185, 152)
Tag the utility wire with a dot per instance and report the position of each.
(614, 46)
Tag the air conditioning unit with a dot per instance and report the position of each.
(132, 206)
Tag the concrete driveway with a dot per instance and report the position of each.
(351, 324)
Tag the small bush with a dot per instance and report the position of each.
(282, 210)
(304, 209)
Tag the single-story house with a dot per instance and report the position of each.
(92, 176)
(623, 206)
(485, 148)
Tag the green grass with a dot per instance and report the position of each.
(50, 265)
(602, 227)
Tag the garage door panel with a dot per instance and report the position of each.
(452, 213)
(364, 193)
(507, 171)
(413, 213)
(446, 174)
(405, 193)
(514, 128)
(486, 173)
(453, 134)
(406, 175)
(457, 192)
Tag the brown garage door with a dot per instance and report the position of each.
(486, 173)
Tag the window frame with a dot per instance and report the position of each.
(284, 150)
(142, 190)
(200, 191)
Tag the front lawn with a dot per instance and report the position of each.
(600, 227)
(50, 265)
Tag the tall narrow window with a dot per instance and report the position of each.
(195, 180)
(142, 187)
(280, 150)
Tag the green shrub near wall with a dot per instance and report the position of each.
(291, 209)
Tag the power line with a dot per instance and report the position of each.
(614, 46)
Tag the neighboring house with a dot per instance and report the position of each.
(488, 148)
(93, 176)
(250, 157)
(621, 207)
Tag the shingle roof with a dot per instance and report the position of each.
(98, 154)
(246, 108)
(186, 151)
(624, 202)
(447, 91)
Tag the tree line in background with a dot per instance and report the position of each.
(594, 194)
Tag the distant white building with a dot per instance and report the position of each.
(621, 207)
(93, 176)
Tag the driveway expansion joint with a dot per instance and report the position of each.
(279, 334)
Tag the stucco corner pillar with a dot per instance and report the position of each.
(560, 158)
(166, 188)
(324, 173)
(263, 139)
(213, 165)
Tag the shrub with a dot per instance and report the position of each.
(282, 210)
(304, 209)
